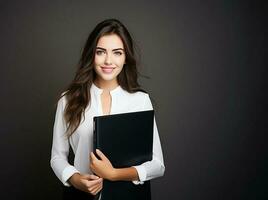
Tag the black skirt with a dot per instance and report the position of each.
(71, 193)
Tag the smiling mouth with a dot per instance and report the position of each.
(107, 70)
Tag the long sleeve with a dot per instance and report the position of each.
(154, 168)
(60, 147)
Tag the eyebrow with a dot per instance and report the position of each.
(112, 50)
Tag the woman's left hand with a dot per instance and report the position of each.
(101, 167)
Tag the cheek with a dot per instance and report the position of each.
(97, 60)
(120, 62)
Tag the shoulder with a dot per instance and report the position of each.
(62, 99)
(139, 98)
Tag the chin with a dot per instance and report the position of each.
(107, 77)
(104, 78)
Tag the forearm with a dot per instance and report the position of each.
(125, 174)
(74, 178)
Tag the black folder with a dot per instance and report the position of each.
(127, 140)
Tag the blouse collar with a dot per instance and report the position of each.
(98, 90)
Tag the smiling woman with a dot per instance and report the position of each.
(105, 83)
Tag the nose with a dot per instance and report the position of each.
(108, 59)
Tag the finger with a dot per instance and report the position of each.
(96, 189)
(95, 192)
(85, 177)
(90, 176)
(101, 155)
(93, 157)
(91, 167)
(93, 177)
(94, 182)
(92, 190)
(99, 189)
(91, 183)
(94, 169)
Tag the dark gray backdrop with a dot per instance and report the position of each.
(206, 63)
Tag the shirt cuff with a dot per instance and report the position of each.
(67, 173)
(141, 173)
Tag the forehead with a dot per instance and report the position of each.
(112, 41)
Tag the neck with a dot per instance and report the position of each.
(106, 85)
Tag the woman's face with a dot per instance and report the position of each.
(109, 57)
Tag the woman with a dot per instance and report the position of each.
(105, 83)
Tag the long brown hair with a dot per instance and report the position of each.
(78, 91)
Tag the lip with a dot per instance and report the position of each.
(107, 67)
(107, 70)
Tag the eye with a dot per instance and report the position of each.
(98, 52)
(118, 53)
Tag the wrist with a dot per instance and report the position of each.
(74, 178)
(113, 175)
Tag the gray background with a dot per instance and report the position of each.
(205, 60)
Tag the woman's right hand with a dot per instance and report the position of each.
(88, 183)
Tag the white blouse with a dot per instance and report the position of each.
(81, 140)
